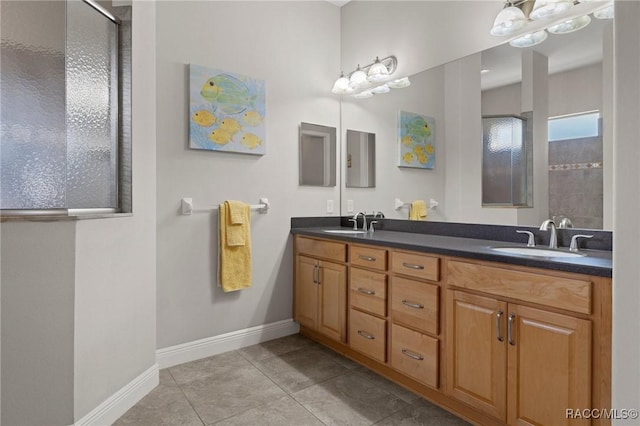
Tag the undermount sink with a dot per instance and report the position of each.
(344, 231)
(536, 252)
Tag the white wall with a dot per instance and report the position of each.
(115, 298)
(295, 48)
(38, 261)
(379, 115)
(626, 268)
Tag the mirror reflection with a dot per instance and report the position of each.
(566, 170)
(317, 155)
(361, 160)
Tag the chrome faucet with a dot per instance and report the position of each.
(553, 238)
(364, 221)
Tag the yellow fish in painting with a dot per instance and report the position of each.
(228, 93)
(252, 118)
(429, 149)
(407, 158)
(419, 150)
(422, 158)
(251, 141)
(230, 125)
(407, 140)
(204, 118)
(220, 137)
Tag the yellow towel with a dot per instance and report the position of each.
(418, 210)
(235, 260)
(238, 215)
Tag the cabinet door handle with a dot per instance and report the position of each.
(412, 305)
(319, 282)
(510, 329)
(315, 268)
(499, 326)
(412, 266)
(412, 355)
(367, 258)
(367, 292)
(366, 335)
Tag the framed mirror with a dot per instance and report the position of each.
(317, 162)
(361, 160)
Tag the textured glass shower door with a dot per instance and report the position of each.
(59, 106)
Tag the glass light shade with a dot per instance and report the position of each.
(358, 79)
(529, 40)
(545, 9)
(606, 13)
(341, 86)
(509, 20)
(363, 95)
(378, 72)
(570, 26)
(400, 83)
(381, 89)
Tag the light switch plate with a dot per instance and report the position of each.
(349, 206)
(329, 206)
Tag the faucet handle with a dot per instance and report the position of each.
(574, 242)
(371, 226)
(355, 223)
(531, 242)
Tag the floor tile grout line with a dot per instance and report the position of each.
(186, 397)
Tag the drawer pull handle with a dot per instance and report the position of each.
(412, 355)
(413, 305)
(412, 266)
(366, 335)
(367, 258)
(365, 291)
(499, 326)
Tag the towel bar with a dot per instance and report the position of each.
(187, 206)
(398, 204)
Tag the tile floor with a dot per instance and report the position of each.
(288, 381)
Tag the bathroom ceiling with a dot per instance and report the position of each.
(339, 3)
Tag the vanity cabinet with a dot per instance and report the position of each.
(320, 291)
(495, 343)
(524, 365)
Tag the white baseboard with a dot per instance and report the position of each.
(118, 403)
(198, 349)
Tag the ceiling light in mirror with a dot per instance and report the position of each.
(378, 72)
(547, 9)
(509, 20)
(358, 79)
(606, 13)
(570, 26)
(529, 40)
(380, 89)
(400, 83)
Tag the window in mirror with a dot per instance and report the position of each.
(317, 155)
(504, 161)
(361, 159)
(574, 126)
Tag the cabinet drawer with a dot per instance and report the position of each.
(324, 249)
(369, 257)
(415, 355)
(416, 265)
(415, 304)
(368, 291)
(558, 292)
(367, 334)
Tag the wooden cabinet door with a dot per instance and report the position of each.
(306, 292)
(333, 300)
(549, 367)
(476, 352)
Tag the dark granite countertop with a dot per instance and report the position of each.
(596, 262)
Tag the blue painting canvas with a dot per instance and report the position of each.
(226, 111)
(416, 138)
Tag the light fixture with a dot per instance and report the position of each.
(341, 86)
(530, 39)
(570, 26)
(509, 20)
(547, 9)
(606, 13)
(374, 78)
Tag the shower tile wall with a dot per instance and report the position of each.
(575, 181)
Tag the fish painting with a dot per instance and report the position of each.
(227, 111)
(416, 140)
(228, 93)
